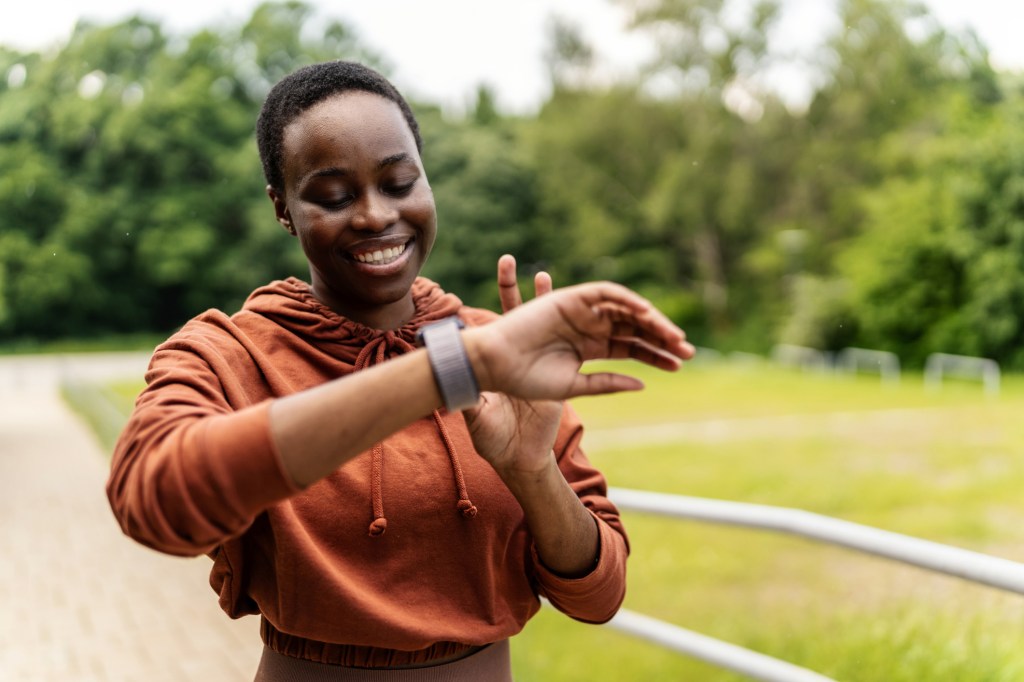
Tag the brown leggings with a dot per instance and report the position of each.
(490, 664)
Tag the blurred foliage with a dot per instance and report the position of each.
(131, 187)
(887, 213)
(938, 262)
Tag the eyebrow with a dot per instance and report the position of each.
(333, 171)
(392, 160)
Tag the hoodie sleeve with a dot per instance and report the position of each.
(597, 596)
(191, 468)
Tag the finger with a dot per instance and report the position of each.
(651, 325)
(595, 293)
(601, 383)
(637, 349)
(677, 347)
(542, 283)
(508, 285)
(650, 318)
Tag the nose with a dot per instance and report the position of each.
(374, 212)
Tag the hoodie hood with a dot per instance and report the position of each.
(291, 304)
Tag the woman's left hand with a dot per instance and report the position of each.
(515, 436)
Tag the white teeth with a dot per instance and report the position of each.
(382, 256)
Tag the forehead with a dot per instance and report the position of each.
(349, 125)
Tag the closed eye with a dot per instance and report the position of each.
(399, 190)
(337, 202)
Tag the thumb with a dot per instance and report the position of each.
(542, 283)
(602, 383)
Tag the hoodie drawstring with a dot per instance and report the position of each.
(377, 350)
(379, 524)
(465, 505)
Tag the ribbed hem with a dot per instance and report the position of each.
(353, 655)
(492, 663)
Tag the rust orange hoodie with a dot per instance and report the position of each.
(411, 551)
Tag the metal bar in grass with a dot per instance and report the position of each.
(754, 665)
(961, 563)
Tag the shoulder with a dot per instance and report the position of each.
(203, 348)
(214, 335)
(212, 327)
(263, 305)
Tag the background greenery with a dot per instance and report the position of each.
(888, 214)
(944, 466)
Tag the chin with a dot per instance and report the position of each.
(389, 295)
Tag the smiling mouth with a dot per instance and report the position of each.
(380, 256)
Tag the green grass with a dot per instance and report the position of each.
(945, 466)
(109, 343)
(123, 394)
(104, 407)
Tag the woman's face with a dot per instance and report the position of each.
(357, 197)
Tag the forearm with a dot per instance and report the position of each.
(534, 352)
(318, 430)
(564, 531)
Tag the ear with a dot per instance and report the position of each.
(281, 210)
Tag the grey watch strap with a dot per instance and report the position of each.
(452, 371)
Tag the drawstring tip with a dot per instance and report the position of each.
(378, 527)
(467, 508)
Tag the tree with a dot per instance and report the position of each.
(131, 183)
(890, 62)
(938, 266)
(487, 199)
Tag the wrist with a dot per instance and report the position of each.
(476, 350)
(534, 477)
(453, 372)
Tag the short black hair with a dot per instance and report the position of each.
(310, 85)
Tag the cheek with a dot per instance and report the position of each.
(424, 214)
(429, 232)
(316, 240)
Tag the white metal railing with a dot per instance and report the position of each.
(722, 654)
(852, 359)
(939, 365)
(973, 566)
(962, 563)
(801, 356)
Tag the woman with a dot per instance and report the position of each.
(381, 505)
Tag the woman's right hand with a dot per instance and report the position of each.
(536, 351)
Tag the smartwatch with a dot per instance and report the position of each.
(449, 362)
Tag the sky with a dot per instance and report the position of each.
(441, 50)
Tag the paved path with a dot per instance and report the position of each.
(79, 601)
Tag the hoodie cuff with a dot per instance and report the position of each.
(596, 596)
